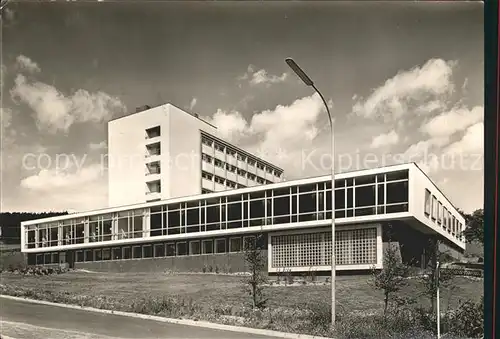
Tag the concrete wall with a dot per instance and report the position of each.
(126, 155)
(185, 152)
(229, 262)
(419, 182)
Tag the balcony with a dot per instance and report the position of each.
(153, 189)
(153, 132)
(151, 196)
(152, 150)
(207, 184)
(207, 167)
(207, 149)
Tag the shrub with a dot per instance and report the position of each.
(468, 319)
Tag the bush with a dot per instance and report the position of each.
(468, 319)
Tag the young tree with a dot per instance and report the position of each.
(256, 265)
(392, 276)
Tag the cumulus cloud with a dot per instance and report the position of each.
(262, 77)
(78, 189)
(403, 93)
(278, 135)
(98, 146)
(472, 142)
(26, 64)
(55, 111)
(56, 178)
(456, 120)
(385, 139)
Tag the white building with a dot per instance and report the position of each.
(395, 204)
(165, 152)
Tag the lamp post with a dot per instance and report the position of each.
(303, 76)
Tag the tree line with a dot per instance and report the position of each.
(10, 222)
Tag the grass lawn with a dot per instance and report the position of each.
(353, 293)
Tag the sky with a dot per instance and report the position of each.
(403, 81)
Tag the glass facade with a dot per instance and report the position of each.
(354, 197)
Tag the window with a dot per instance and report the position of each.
(397, 192)
(206, 141)
(235, 245)
(89, 255)
(147, 251)
(194, 247)
(182, 248)
(434, 208)
(440, 213)
(445, 217)
(399, 175)
(137, 252)
(427, 209)
(241, 172)
(220, 245)
(79, 257)
(98, 254)
(207, 176)
(218, 163)
(206, 158)
(365, 196)
(208, 247)
(219, 147)
(106, 254)
(127, 252)
(159, 250)
(251, 176)
(117, 253)
(219, 180)
(170, 250)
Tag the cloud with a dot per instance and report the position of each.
(98, 146)
(26, 64)
(76, 190)
(193, 103)
(56, 112)
(456, 120)
(402, 93)
(262, 77)
(472, 142)
(53, 179)
(278, 135)
(385, 139)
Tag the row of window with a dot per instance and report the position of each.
(154, 250)
(232, 184)
(233, 169)
(229, 151)
(439, 214)
(266, 207)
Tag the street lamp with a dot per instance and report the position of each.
(303, 76)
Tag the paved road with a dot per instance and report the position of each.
(25, 320)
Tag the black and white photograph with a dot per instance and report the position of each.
(242, 169)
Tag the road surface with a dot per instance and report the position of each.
(25, 320)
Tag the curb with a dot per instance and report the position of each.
(187, 322)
